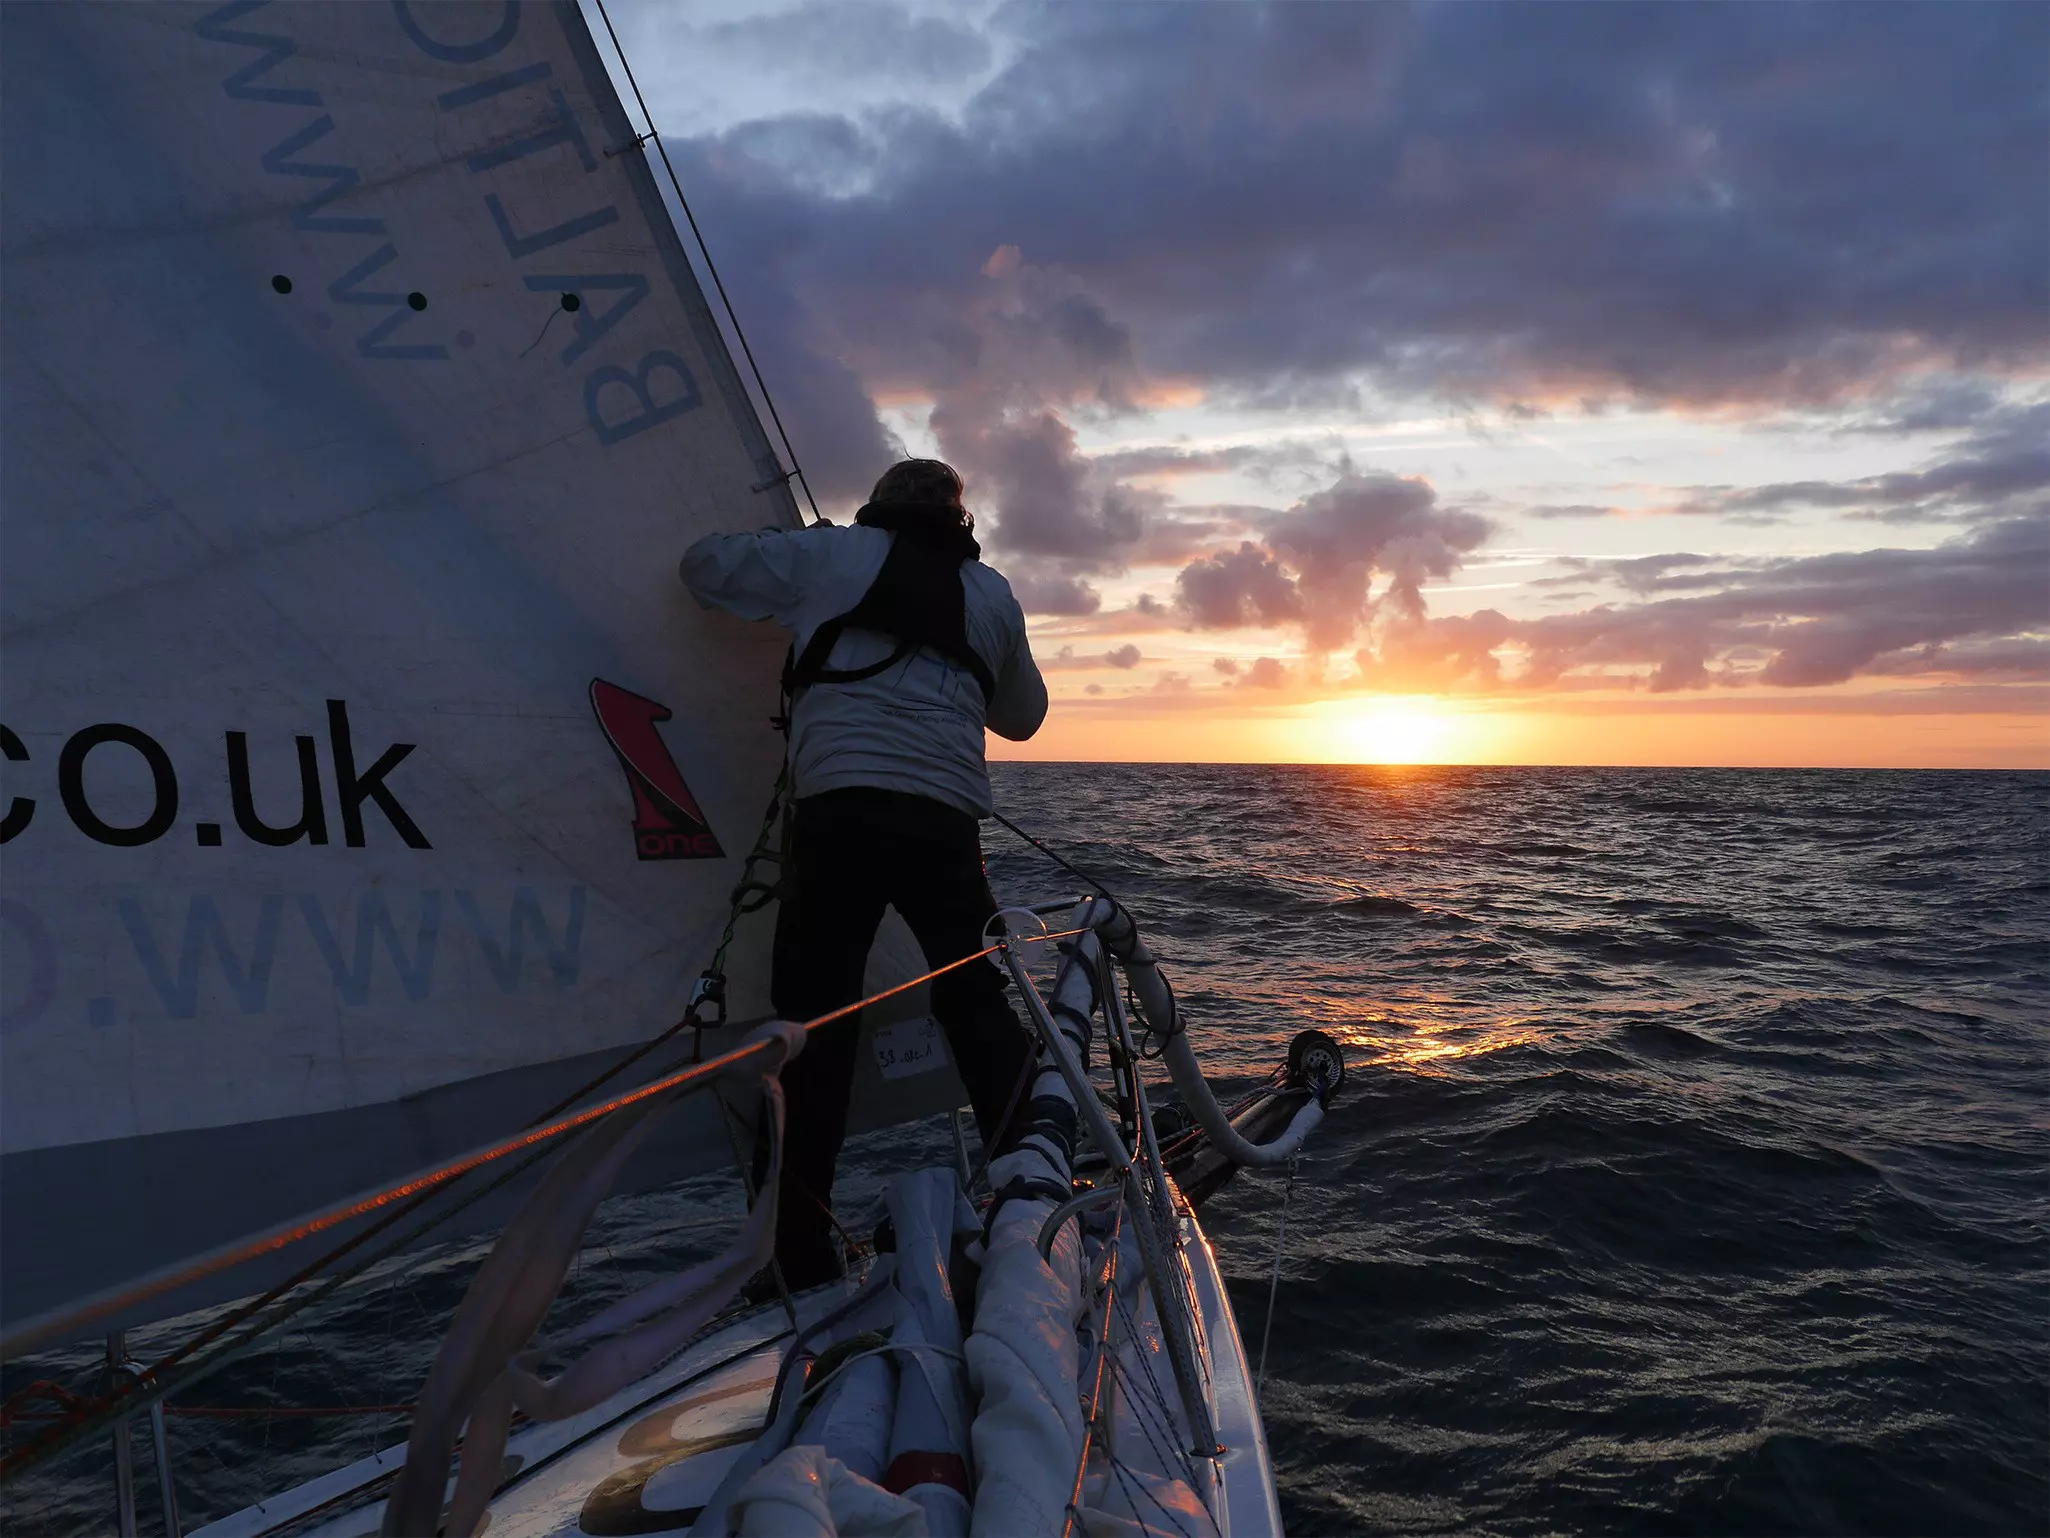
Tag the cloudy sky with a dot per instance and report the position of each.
(1626, 383)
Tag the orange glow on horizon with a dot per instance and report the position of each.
(1423, 730)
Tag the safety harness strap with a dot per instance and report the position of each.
(917, 599)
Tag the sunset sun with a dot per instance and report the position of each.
(1392, 732)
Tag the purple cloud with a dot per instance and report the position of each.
(1246, 586)
(1687, 204)
(854, 35)
(1040, 592)
(1977, 605)
(1318, 561)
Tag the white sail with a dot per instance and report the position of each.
(359, 400)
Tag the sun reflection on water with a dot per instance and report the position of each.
(1428, 1047)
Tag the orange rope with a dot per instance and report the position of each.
(234, 1317)
(51, 1327)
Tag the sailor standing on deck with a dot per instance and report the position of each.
(905, 648)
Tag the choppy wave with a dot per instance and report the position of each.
(1691, 1175)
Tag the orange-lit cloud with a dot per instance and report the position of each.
(1753, 431)
(1903, 729)
(1169, 394)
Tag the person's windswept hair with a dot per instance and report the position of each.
(922, 497)
(924, 481)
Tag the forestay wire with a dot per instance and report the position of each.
(1274, 1276)
(1071, 868)
(796, 471)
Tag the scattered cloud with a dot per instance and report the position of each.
(1041, 592)
(1549, 510)
(1636, 574)
(1977, 606)
(2004, 467)
(1317, 562)
(1234, 588)
(2001, 468)
(1168, 460)
(1673, 206)
(1069, 222)
(865, 37)
(1950, 403)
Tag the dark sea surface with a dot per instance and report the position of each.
(1692, 1174)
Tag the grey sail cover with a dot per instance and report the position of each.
(370, 779)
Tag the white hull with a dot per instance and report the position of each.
(646, 1460)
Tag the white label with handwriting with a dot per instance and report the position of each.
(906, 1047)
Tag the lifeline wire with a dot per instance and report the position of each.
(40, 1331)
(1073, 870)
(737, 906)
(1148, 1031)
(1140, 1404)
(237, 1316)
(139, 1395)
(662, 149)
(247, 1411)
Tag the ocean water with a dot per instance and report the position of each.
(1691, 1176)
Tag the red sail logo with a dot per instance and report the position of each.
(667, 822)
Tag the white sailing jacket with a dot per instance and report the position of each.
(915, 727)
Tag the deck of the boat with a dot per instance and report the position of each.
(646, 1460)
(641, 1462)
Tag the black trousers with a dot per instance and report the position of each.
(853, 852)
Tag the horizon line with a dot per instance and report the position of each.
(1314, 763)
